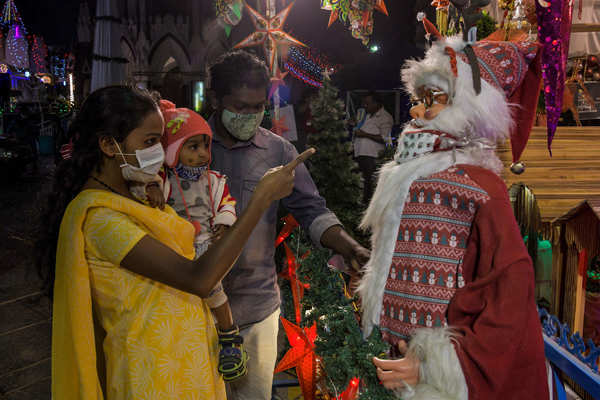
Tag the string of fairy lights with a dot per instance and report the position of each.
(307, 65)
(39, 55)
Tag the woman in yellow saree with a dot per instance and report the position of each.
(128, 319)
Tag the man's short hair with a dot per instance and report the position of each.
(375, 96)
(237, 69)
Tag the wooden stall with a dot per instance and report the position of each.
(567, 178)
(579, 240)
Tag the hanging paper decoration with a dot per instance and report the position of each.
(554, 29)
(441, 15)
(326, 5)
(269, 33)
(301, 356)
(358, 14)
(308, 65)
(39, 55)
(229, 13)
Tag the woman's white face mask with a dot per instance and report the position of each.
(150, 161)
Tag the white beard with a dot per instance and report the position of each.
(384, 213)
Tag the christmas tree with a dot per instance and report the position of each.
(334, 171)
(344, 355)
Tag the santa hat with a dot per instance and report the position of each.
(484, 80)
(430, 28)
(180, 125)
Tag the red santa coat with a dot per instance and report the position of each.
(497, 340)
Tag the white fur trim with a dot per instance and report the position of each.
(485, 115)
(384, 214)
(440, 373)
(437, 81)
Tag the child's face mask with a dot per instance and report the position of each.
(149, 159)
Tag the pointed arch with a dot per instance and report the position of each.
(128, 53)
(127, 50)
(169, 47)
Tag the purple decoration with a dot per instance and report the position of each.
(554, 30)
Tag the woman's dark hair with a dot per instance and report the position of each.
(237, 69)
(111, 111)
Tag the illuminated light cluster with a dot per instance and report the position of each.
(39, 55)
(17, 48)
(59, 68)
(71, 89)
(308, 65)
(299, 75)
(10, 15)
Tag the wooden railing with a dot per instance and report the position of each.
(570, 354)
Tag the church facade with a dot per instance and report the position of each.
(164, 45)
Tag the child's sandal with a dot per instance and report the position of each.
(232, 357)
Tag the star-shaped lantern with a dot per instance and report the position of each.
(301, 356)
(335, 11)
(269, 33)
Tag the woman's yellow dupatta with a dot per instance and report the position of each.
(74, 374)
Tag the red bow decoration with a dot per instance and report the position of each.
(301, 355)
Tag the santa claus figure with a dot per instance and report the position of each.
(489, 345)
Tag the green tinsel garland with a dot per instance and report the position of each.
(343, 351)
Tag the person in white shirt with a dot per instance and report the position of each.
(371, 139)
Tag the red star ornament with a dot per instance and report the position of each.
(380, 6)
(301, 356)
(277, 81)
(269, 33)
(279, 126)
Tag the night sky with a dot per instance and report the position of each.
(55, 20)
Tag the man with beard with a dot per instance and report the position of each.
(440, 210)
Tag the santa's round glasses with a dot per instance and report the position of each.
(431, 97)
